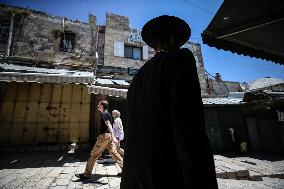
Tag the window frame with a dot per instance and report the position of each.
(126, 46)
(71, 37)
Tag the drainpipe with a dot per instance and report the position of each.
(96, 64)
(10, 35)
(63, 24)
(97, 39)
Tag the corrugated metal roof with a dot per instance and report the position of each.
(120, 82)
(104, 81)
(221, 101)
(43, 75)
(108, 91)
(123, 93)
(45, 78)
(27, 69)
(236, 95)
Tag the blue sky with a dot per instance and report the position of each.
(197, 13)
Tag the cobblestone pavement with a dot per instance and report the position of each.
(57, 169)
(267, 183)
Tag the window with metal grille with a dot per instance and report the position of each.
(133, 52)
(67, 42)
(4, 33)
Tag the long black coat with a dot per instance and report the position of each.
(166, 143)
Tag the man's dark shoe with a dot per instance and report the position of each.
(118, 174)
(82, 176)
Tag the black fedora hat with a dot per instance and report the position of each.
(166, 25)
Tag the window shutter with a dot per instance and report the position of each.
(145, 52)
(118, 49)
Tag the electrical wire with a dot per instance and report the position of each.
(200, 8)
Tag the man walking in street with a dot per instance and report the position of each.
(105, 140)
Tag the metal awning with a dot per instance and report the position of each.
(120, 82)
(102, 81)
(249, 27)
(123, 94)
(44, 78)
(29, 69)
(108, 91)
(222, 101)
(18, 73)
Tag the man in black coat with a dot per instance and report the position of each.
(166, 143)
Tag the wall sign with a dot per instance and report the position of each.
(135, 37)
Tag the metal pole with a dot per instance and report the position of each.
(96, 63)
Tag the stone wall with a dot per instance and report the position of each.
(37, 35)
(196, 50)
(101, 44)
(222, 88)
(117, 30)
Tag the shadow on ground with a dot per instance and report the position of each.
(40, 159)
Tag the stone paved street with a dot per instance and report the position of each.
(53, 170)
(57, 169)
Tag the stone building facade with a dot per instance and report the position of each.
(113, 50)
(119, 51)
(54, 40)
(47, 109)
(46, 64)
(125, 51)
